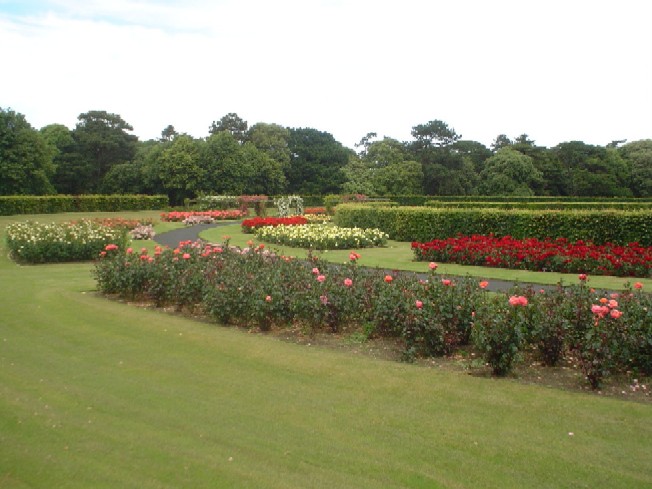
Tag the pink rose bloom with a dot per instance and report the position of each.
(315, 271)
(348, 282)
(615, 313)
(433, 265)
(582, 277)
(186, 256)
(483, 284)
(518, 300)
(130, 251)
(446, 282)
(419, 304)
(320, 278)
(638, 285)
(388, 278)
(268, 298)
(613, 304)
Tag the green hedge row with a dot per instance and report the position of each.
(535, 205)
(54, 204)
(424, 223)
(532, 198)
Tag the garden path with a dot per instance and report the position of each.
(191, 233)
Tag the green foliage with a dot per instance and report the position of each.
(509, 172)
(232, 124)
(102, 141)
(25, 158)
(425, 224)
(330, 201)
(567, 204)
(499, 332)
(638, 156)
(316, 162)
(179, 169)
(272, 140)
(81, 203)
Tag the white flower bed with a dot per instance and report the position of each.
(322, 236)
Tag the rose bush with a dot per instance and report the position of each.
(559, 255)
(255, 288)
(34, 242)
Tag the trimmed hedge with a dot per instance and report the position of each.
(425, 224)
(54, 204)
(532, 198)
(538, 205)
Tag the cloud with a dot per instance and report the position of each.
(555, 70)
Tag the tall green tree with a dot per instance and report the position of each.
(103, 140)
(272, 140)
(25, 157)
(444, 169)
(266, 174)
(592, 170)
(509, 172)
(72, 174)
(231, 123)
(179, 169)
(169, 133)
(316, 162)
(638, 155)
(400, 178)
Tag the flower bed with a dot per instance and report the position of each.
(602, 333)
(251, 225)
(322, 236)
(314, 210)
(34, 242)
(558, 255)
(180, 216)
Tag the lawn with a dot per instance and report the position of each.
(96, 393)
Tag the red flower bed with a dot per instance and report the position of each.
(178, 216)
(559, 255)
(314, 210)
(250, 225)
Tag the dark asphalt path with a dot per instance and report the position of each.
(191, 233)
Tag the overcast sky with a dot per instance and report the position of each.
(557, 70)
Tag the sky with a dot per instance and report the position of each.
(557, 70)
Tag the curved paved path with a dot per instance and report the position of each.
(191, 233)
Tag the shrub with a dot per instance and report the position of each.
(425, 224)
(255, 288)
(53, 204)
(142, 232)
(34, 242)
(558, 255)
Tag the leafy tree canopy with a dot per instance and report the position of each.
(231, 123)
(25, 157)
(103, 140)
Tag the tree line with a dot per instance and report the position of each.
(100, 155)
